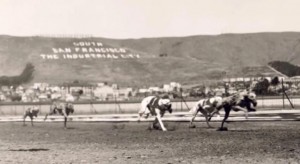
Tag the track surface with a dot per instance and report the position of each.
(245, 142)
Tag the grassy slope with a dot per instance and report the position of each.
(190, 59)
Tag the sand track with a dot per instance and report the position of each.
(245, 142)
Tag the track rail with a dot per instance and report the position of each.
(269, 115)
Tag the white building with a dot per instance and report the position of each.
(123, 93)
(55, 96)
(100, 84)
(154, 89)
(114, 86)
(175, 86)
(102, 93)
(143, 90)
(167, 88)
(40, 86)
(2, 97)
(240, 79)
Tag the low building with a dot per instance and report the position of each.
(102, 93)
(73, 88)
(154, 89)
(40, 86)
(143, 90)
(167, 88)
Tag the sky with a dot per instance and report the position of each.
(146, 18)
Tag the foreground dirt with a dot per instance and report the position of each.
(245, 142)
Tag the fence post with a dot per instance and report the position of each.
(181, 100)
(262, 100)
(1, 109)
(282, 94)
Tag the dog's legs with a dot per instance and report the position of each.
(238, 108)
(158, 116)
(193, 118)
(65, 122)
(153, 125)
(31, 118)
(24, 117)
(227, 112)
(207, 118)
(46, 116)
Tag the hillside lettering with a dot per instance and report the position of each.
(88, 50)
(89, 56)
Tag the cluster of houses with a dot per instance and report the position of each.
(77, 91)
(291, 85)
(71, 92)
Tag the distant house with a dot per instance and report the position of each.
(292, 79)
(73, 88)
(247, 79)
(114, 86)
(123, 93)
(226, 80)
(2, 97)
(55, 96)
(40, 86)
(143, 90)
(101, 84)
(110, 96)
(5, 88)
(175, 86)
(43, 97)
(55, 89)
(167, 88)
(113, 92)
(232, 80)
(104, 92)
(154, 89)
(239, 79)
(70, 98)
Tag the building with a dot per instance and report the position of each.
(103, 93)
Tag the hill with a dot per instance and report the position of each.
(146, 61)
(286, 68)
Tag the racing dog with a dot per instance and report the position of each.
(31, 112)
(157, 107)
(62, 108)
(237, 103)
(206, 107)
(248, 101)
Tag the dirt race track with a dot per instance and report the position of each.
(245, 142)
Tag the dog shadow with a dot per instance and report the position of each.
(30, 150)
(240, 130)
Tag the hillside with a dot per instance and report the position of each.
(145, 61)
(286, 68)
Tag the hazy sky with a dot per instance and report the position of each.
(147, 18)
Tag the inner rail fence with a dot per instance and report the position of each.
(120, 107)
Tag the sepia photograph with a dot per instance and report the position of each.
(149, 82)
